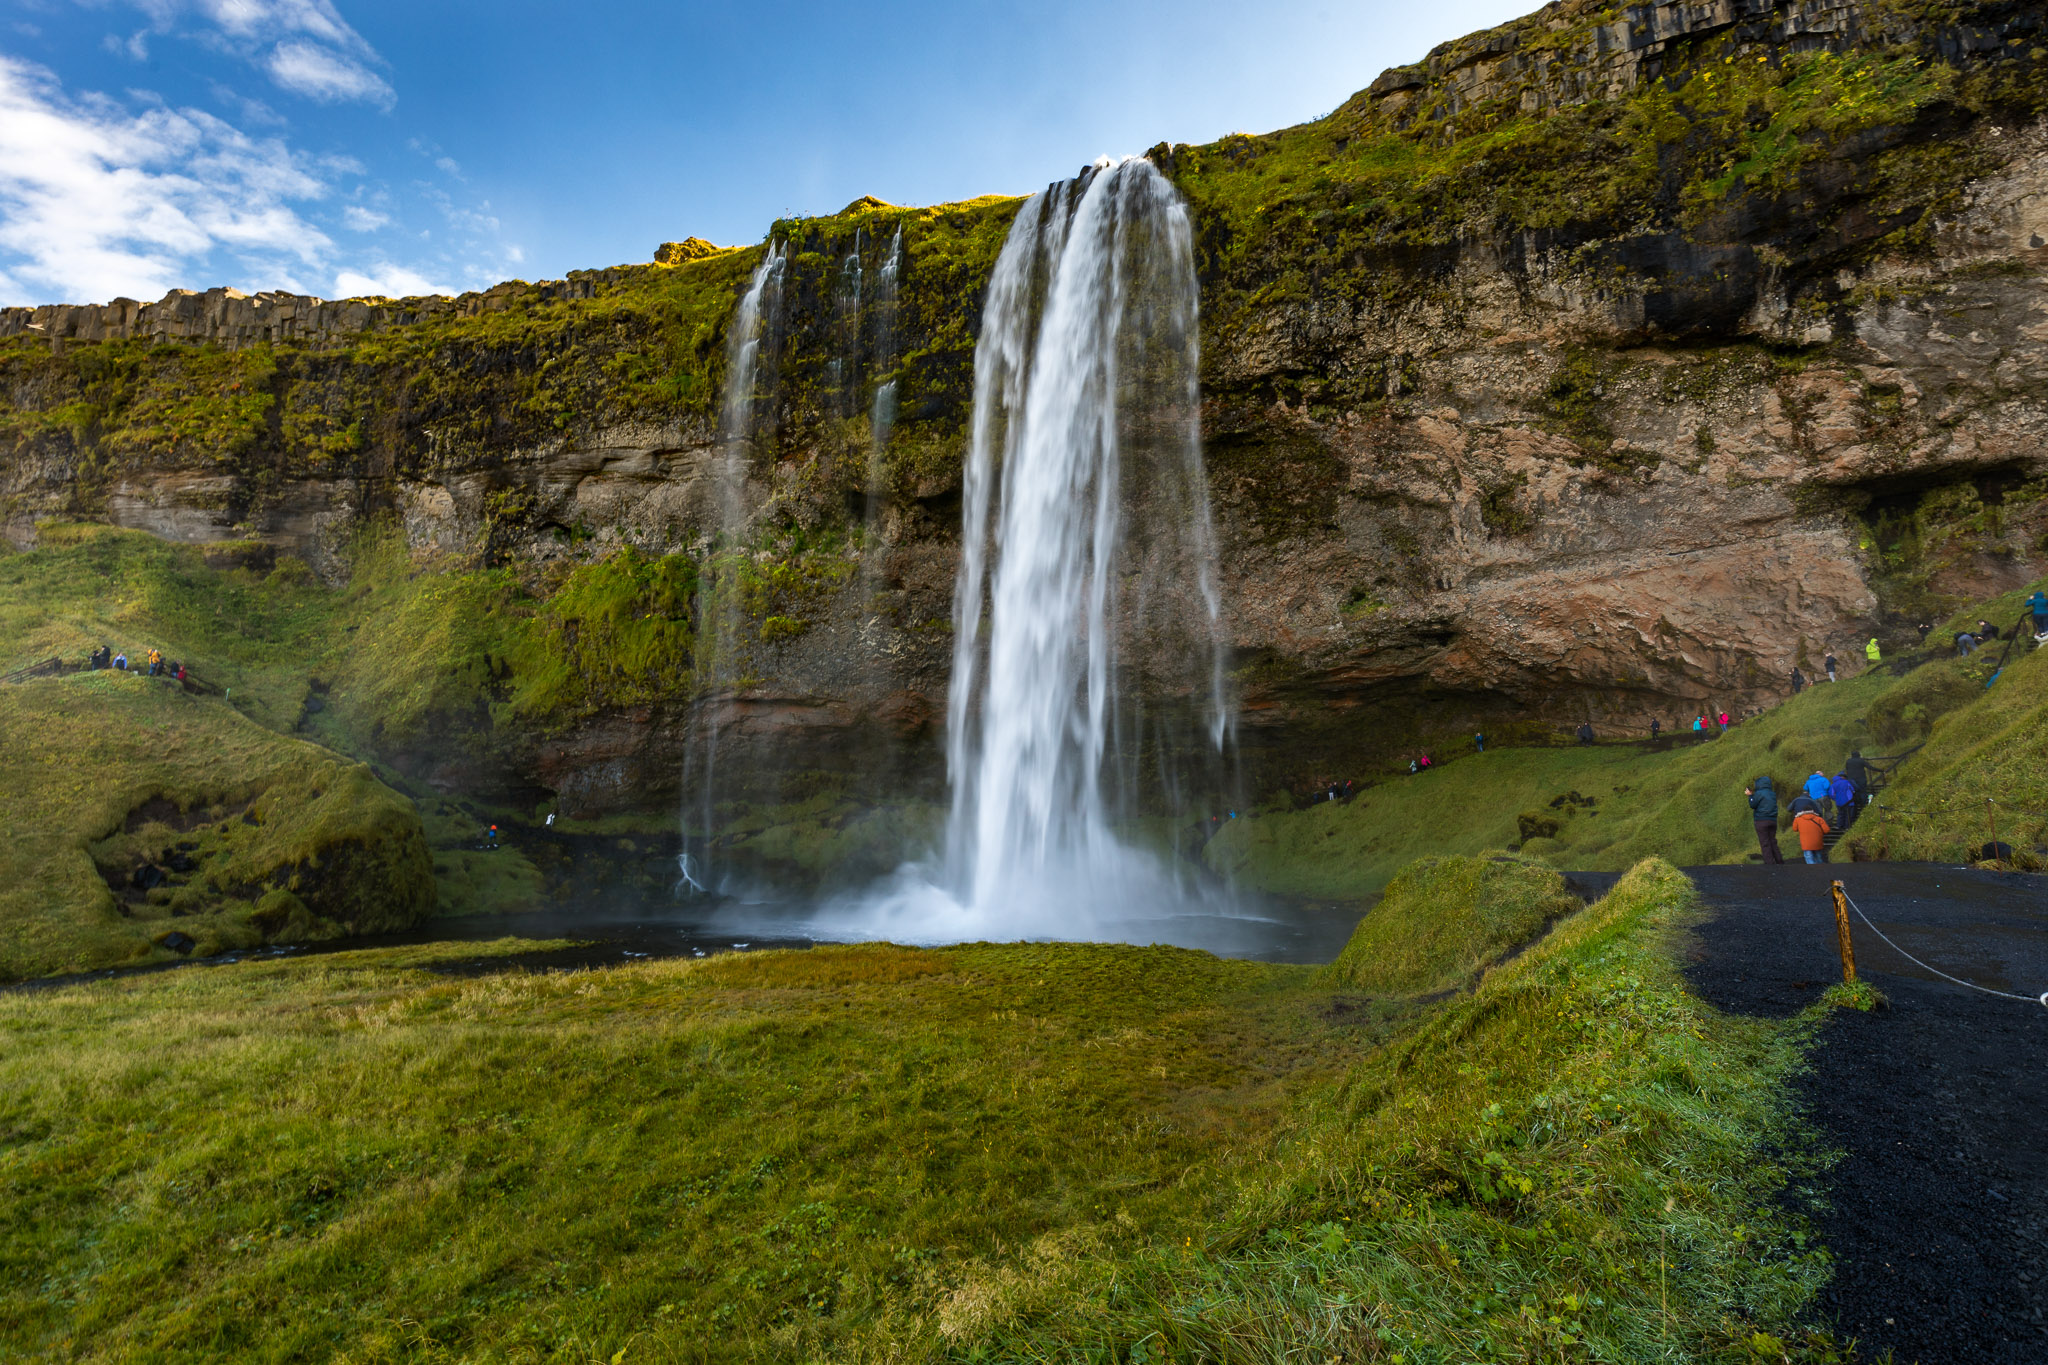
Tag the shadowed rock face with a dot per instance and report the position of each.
(1471, 472)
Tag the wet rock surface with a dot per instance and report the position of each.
(1938, 1212)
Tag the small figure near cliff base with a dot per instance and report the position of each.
(1830, 666)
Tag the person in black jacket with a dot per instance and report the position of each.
(1763, 809)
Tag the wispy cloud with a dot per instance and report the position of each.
(318, 73)
(304, 46)
(97, 200)
(359, 219)
(391, 281)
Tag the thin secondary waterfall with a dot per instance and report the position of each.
(747, 416)
(881, 413)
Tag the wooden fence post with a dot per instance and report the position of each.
(1842, 933)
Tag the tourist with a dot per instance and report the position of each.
(1479, 741)
(1842, 792)
(1965, 642)
(1830, 666)
(1763, 812)
(121, 661)
(1876, 655)
(1817, 785)
(1986, 631)
(1699, 724)
(1425, 758)
(1857, 770)
(101, 658)
(1414, 767)
(1813, 835)
(156, 662)
(2037, 607)
(1798, 681)
(1586, 733)
(1924, 627)
(1655, 726)
(1724, 720)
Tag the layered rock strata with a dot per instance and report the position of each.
(1589, 369)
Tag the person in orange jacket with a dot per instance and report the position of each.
(1812, 828)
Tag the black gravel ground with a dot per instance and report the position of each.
(1938, 1212)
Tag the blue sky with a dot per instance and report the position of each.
(335, 147)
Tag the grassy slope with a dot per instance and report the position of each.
(1685, 805)
(1986, 761)
(1443, 919)
(323, 844)
(1025, 1152)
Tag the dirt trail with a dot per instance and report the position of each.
(1938, 1213)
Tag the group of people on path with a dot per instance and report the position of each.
(153, 664)
(1824, 805)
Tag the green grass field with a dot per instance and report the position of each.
(872, 1153)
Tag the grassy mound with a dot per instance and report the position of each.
(1443, 919)
(1575, 1162)
(137, 810)
(1026, 1152)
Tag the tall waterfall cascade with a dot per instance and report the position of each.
(1088, 688)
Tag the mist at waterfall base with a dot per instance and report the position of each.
(1088, 694)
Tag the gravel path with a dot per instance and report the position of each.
(1938, 1216)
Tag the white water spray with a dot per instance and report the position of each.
(1085, 535)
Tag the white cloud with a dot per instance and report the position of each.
(321, 74)
(96, 200)
(304, 46)
(359, 219)
(391, 281)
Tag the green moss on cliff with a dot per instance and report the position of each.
(111, 774)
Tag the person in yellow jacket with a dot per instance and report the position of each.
(1871, 651)
(1812, 828)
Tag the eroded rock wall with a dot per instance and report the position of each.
(1615, 417)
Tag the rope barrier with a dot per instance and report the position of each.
(2041, 1000)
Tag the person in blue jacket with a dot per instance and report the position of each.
(1843, 793)
(1817, 786)
(1763, 809)
(2038, 605)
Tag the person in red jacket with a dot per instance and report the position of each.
(1812, 828)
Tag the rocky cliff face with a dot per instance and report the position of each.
(1612, 364)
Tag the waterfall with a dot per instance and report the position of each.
(1087, 566)
(882, 413)
(846, 331)
(747, 416)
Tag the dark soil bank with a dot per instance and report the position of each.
(1938, 1213)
